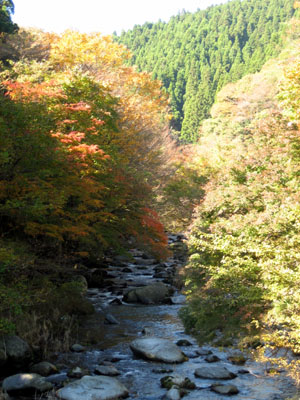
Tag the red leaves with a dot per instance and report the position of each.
(28, 91)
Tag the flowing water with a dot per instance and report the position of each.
(141, 377)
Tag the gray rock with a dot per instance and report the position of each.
(110, 319)
(143, 261)
(162, 370)
(77, 348)
(93, 388)
(151, 294)
(116, 301)
(172, 394)
(181, 299)
(147, 331)
(77, 372)
(203, 352)
(184, 342)
(25, 383)
(106, 370)
(214, 372)
(224, 389)
(157, 349)
(211, 358)
(14, 351)
(44, 368)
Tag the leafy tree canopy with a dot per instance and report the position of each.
(6, 10)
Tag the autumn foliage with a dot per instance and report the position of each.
(80, 149)
(243, 275)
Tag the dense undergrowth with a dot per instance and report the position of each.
(243, 275)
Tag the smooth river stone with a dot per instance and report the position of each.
(214, 372)
(157, 349)
(93, 388)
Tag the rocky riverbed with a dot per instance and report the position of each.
(135, 346)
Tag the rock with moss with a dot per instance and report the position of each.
(44, 368)
(179, 381)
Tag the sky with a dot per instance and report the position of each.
(104, 16)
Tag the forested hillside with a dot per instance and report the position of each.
(196, 54)
(243, 275)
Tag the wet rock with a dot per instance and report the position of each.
(143, 261)
(107, 370)
(214, 372)
(57, 379)
(184, 342)
(238, 359)
(116, 301)
(126, 269)
(157, 349)
(172, 394)
(203, 352)
(77, 348)
(162, 370)
(176, 380)
(243, 371)
(191, 354)
(224, 389)
(44, 368)
(122, 259)
(211, 358)
(151, 294)
(110, 319)
(147, 331)
(116, 358)
(23, 384)
(93, 388)
(181, 299)
(77, 372)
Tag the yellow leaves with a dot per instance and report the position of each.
(81, 49)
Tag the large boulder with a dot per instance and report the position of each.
(15, 353)
(151, 294)
(214, 372)
(24, 384)
(157, 349)
(93, 388)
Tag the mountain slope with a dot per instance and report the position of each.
(195, 54)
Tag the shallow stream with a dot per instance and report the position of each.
(141, 377)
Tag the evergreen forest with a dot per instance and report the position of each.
(196, 54)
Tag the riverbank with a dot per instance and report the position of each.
(106, 345)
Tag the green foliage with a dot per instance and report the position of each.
(6, 24)
(195, 55)
(243, 274)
